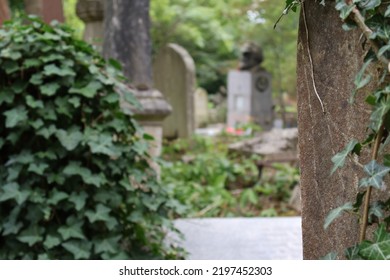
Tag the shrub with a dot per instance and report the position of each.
(74, 173)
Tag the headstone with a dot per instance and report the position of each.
(201, 108)
(91, 12)
(127, 39)
(4, 11)
(174, 76)
(49, 10)
(336, 58)
(249, 91)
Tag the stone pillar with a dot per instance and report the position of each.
(4, 11)
(49, 10)
(337, 56)
(91, 12)
(127, 39)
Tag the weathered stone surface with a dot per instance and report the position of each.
(337, 56)
(92, 13)
(201, 108)
(174, 76)
(4, 11)
(250, 98)
(49, 10)
(242, 238)
(127, 39)
(271, 143)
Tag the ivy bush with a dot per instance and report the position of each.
(74, 173)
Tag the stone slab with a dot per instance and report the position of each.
(242, 238)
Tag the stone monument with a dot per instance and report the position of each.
(91, 12)
(201, 108)
(4, 11)
(249, 91)
(48, 10)
(174, 76)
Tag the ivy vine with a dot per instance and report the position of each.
(75, 179)
(372, 18)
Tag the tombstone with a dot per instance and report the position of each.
(49, 10)
(174, 76)
(249, 91)
(201, 108)
(91, 12)
(127, 39)
(321, 135)
(4, 11)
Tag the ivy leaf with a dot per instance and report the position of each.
(369, 4)
(387, 13)
(361, 80)
(79, 249)
(352, 253)
(102, 144)
(15, 116)
(339, 158)
(330, 256)
(11, 191)
(56, 196)
(49, 89)
(69, 139)
(100, 214)
(378, 114)
(72, 231)
(12, 224)
(32, 62)
(31, 235)
(383, 49)
(32, 103)
(376, 210)
(335, 213)
(79, 199)
(51, 241)
(88, 91)
(37, 168)
(376, 172)
(106, 245)
(378, 250)
(74, 168)
(52, 69)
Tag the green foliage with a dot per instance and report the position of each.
(74, 174)
(372, 16)
(211, 182)
(213, 31)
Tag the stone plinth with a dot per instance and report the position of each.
(91, 12)
(4, 11)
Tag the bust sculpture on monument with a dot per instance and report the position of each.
(249, 90)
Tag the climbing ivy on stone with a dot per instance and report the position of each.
(372, 18)
(75, 179)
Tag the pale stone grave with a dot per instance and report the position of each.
(201, 108)
(174, 76)
(249, 91)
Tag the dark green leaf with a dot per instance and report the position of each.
(376, 172)
(79, 249)
(54, 70)
(15, 116)
(383, 49)
(51, 241)
(49, 89)
(79, 199)
(387, 13)
(335, 213)
(88, 91)
(33, 103)
(106, 245)
(72, 231)
(11, 191)
(330, 256)
(339, 159)
(31, 236)
(352, 253)
(369, 4)
(69, 139)
(378, 114)
(32, 62)
(101, 213)
(56, 196)
(38, 168)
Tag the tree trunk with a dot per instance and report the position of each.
(127, 39)
(4, 11)
(337, 56)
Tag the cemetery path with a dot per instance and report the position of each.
(242, 238)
